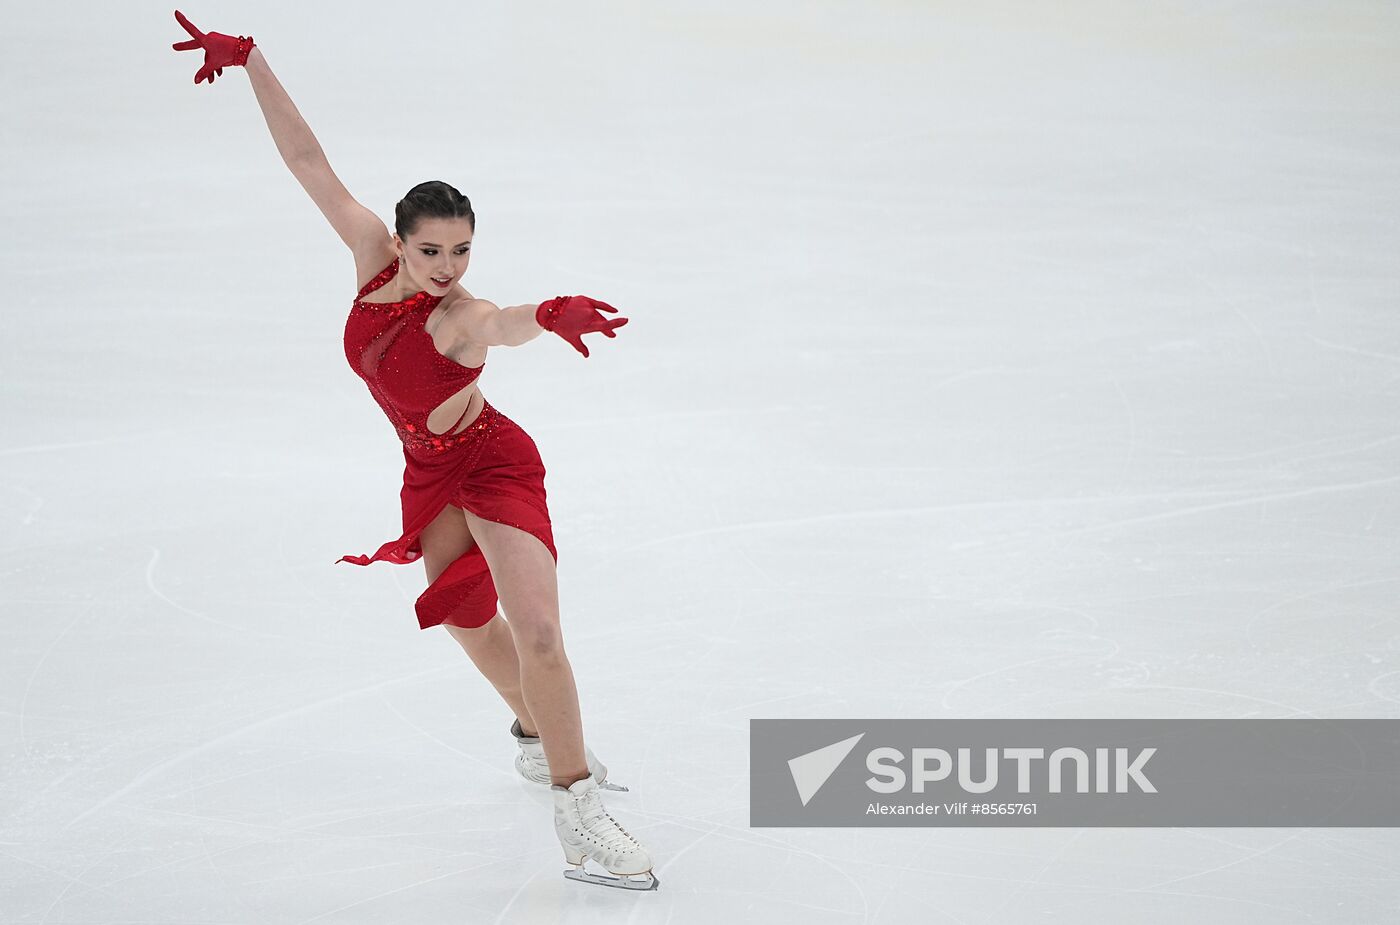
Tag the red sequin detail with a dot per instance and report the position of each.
(240, 53)
(547, 312)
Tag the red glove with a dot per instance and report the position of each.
(572, 316)
(220, 51)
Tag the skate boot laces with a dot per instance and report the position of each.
(611, 834)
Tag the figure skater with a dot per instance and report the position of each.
(473, 497)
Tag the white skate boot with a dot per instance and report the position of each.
(586, 830)
(534, 767)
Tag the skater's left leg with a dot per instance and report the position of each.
(522, 569)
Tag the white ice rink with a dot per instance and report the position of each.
(985, 360)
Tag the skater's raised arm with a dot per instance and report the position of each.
(357, 226)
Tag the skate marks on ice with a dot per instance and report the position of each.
(212, 745)
(1237, 498)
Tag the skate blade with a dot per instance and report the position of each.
(605, 785)
(646, 881)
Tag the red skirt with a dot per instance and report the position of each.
(499, 476)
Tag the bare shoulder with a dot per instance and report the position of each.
(455, 329)
(466, 321)
(459, 294)
(371, 259)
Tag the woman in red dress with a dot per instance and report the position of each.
(473, 497)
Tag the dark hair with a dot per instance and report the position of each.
(432, 199)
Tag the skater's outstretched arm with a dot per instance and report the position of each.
(481, 322)
(358, 227)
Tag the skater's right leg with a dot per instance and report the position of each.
(524, 574)
(490, 647)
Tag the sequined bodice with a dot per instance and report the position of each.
(387, 347)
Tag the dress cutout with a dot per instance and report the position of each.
(493, 468)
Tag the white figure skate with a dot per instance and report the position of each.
(533, 766)
(586, 830)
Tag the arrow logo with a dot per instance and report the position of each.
(811, 771)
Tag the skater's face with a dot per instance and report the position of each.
(436, 255)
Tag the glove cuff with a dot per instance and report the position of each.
(240, 54)
(547, 314)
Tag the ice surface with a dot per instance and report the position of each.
(985, 360)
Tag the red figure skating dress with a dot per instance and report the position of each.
(492, 468)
